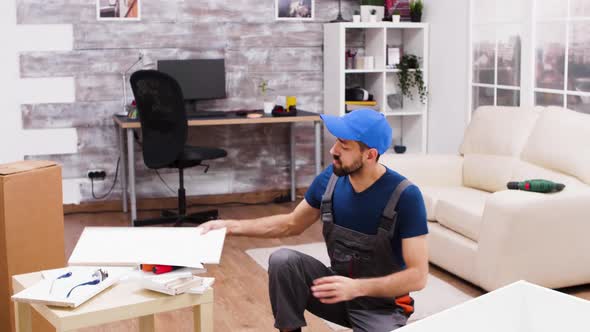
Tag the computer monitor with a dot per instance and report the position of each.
(199, 79)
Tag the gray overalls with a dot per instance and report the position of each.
(352, 254)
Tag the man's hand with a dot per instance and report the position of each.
(335, 289)
(213, 224)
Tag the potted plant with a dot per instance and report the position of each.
(357, 16)
(410, 76)
(416, 7)
(368, 5)
(396, 17)
(373, 17)
(268, 105)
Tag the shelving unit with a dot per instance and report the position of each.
(409, 122)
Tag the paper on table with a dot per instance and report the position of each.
(123, 246)
(43, 293)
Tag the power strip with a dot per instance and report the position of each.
(97, 175)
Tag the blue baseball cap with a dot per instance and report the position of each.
(363, 125)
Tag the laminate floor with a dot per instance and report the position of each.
(241, 287)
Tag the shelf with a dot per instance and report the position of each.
(402, 113)
(362, 71)
(401, 25)
(410, 122)
(396, 70)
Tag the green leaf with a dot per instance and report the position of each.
(408, 79)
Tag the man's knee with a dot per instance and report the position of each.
(282, 258)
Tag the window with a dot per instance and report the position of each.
(496, 52)
(562, 54)
(553, 66)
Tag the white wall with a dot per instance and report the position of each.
(10, 121)
(449, 61)
(15, 142)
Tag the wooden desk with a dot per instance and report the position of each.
(128, 125)
(122, 301)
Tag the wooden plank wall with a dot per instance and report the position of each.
(245, 33)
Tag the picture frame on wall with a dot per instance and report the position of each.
(118, 10)
(294, 10)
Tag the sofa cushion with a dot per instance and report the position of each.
(462, 211)
(498, 130)
(525, 171)
(432, 195)
(452, 251)
(431, 169)
(560, 140)
(487, 172)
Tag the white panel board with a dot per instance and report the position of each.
(178, 246)
(546, 310)
(518, 307)
(495, 311)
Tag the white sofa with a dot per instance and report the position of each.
(492, 236)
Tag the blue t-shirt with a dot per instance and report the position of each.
(362, 211)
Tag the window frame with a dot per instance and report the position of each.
(528, 69)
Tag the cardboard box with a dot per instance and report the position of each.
(518, 307)
(31, 226)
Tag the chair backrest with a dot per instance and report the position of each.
(161, 111)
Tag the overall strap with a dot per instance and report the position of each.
(326, 206)
(387, 219)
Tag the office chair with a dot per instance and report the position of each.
(164, 128)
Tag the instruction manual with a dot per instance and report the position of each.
(71, 286)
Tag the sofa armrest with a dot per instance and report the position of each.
(427, 169)
(542, 238)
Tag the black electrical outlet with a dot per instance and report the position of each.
(97, 174)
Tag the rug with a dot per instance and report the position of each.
(437, 296)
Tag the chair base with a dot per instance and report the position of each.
(176, 219)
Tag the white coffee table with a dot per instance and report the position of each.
(121, 301)
(518, 307)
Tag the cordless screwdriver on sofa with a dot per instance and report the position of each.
(536, 185)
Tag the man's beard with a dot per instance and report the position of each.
(347, 170)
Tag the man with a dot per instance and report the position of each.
(374, 225)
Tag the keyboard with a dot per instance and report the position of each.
(206, 114)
